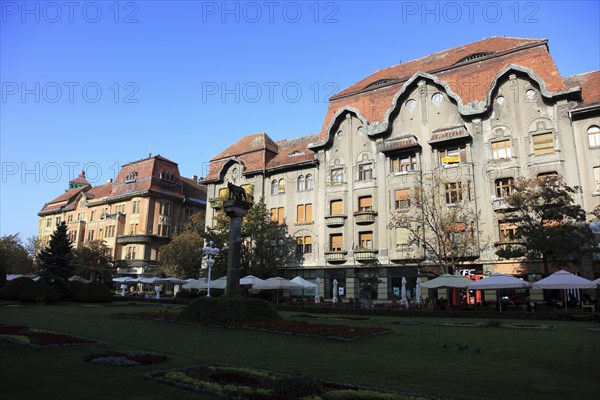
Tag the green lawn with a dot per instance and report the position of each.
(423, 358)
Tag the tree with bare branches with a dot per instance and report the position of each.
(440, 222)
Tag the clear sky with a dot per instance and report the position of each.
(96, 84)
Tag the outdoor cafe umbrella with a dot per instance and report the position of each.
(498, 281)
(562, 279)
(250, 280)
(305, 284)
(276, 283)
(446, 281)
(403, 298)
(418, 291)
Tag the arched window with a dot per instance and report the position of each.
(274, 187)
(281, 186)
(309, 182)
(593, 136)
(301, 183)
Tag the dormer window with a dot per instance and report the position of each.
(167, 176)
(131, 177)
(474, 56)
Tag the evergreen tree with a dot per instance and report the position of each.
(55, 261)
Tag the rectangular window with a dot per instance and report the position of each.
(337, 176)
(501, 150)
(166, 209)
(336, 242)
(90, 235)
(336, 207)
(307, 244)
(403, 165)
(594, 136)
(135, 207)
(303, 213)
(365, 172)
(508, 231)
(303, 245)
(597, 179)
(133, 229)
(453, 192)
(365, 240)
(48, 222)
(100, 234)
(299, 246)
(453, 156)
(543, 144)
(365, 203)
(223, 193)
(280, 216)
(504, 187)
(57, 221)
(402, 199)
(110, 231)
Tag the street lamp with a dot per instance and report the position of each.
(210, 252)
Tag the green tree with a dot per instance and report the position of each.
(266, 245)
(55, 261)
(439, 223)
(552, 225)
(14, 257)
(93, 261)
(182, 257)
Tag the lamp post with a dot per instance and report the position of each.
(210, 252)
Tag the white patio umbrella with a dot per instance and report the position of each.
(196, 284)
(562, 279)
(305, 284)
(596, 282)
(276, 283)
(317, 290)
(11, 277)
(220, 283)
(446, 280)
(335, 291)
(498, 281)
(403, 300)
(418, 291)
(124, 279)
(78, 279)
(250, 280)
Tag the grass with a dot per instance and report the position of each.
(438, 361)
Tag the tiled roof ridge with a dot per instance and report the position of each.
(297, 140)
(582, 74)
(156, 156)
(231, 151)
(353, 90)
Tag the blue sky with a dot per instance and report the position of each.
(94, 84)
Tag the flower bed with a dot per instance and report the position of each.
(39, 338)
(299, 328)
(246, 383)
(497, 324)
(125, 359)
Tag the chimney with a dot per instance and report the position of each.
(109, 180)
(195, 177)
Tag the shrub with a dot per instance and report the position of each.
(39, 293)
(187, 294)
(93, 292)
(74, 286)
(2, 276)
(297, 387)
(228, 311)
(13, 289)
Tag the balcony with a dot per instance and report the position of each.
(333, 221)
(365, 255)
(217, 202)
(365, 217)
(499, 203)
(142, 239)
(336, 256)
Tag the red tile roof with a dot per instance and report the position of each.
(64, 199)
(81, 178)
(471, 80)
(590, 88)
(193, 191)
(294, 151)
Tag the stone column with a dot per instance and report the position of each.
(235, 210)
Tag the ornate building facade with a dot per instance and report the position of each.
(481, 115)
(134, 215)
